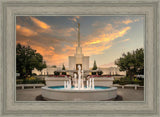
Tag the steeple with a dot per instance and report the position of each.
(78, 34)
(78, 58)
(78, 49)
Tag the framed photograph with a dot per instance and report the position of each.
(79, 58)
(105, 56)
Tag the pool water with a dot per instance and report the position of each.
(62, 87)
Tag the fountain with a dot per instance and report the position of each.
(79, 91)
(79, 88)
(79, 84)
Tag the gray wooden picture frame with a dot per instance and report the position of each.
(9, 9)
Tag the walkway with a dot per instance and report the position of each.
(128, 94)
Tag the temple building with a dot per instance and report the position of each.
(78, 58)
(112, 71)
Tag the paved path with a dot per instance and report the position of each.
(128, 94)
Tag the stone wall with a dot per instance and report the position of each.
(55, 81)
(59, 81)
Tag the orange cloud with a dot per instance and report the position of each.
(106, 38)
(48, 53)
(25, 43)
(53, 58)
(93, 50)
(123, 31)
(25, 31)
(95, 46)
(125, 40)
(74, 19)
(95, 43)
(69, 48)
(70, 30)
(65, 31)
(90, 49)
(127, 21)
(39, 23)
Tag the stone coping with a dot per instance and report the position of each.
(95, 78)
(30, 85)
(128, 85)
(103, 78)
(56, 78)
(79, 91)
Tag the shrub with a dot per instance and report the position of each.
(116, 82)
(32, 80)
(122, 82)
(56, 73)
(34, 74)
(19, 81)
(141, 83)
(64, 73)
(100, 73)
(136, 81)
(93, 73)
(127, 80)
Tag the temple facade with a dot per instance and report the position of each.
(78, 58)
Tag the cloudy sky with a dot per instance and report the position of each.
(103, 38)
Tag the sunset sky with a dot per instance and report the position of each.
(103, 38)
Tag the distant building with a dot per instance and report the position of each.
(45, 71)
(112, 71)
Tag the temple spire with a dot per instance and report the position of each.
(78, 48)
(78, 34)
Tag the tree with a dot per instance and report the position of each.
(63, 68)
(56, 73)
(132, 62)
(54, 66)
(94, 67)
(100, 73)
(41, 66)
(27, 59)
